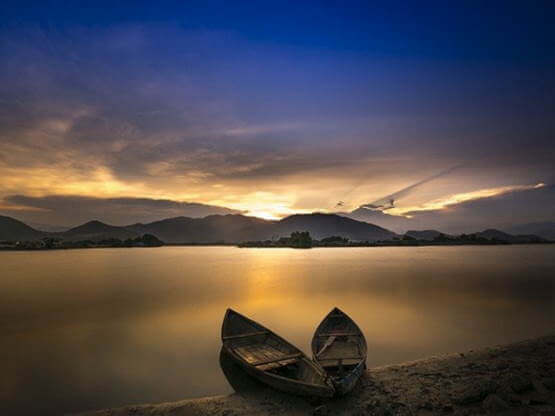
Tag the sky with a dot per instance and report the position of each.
(139, 111)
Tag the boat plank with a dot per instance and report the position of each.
(283, 357)
(248, 334)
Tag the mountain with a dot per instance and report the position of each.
(95, 231)
(238, 228)
(326, 225)
(235, 228)
(231, 228)
(48, 228)
(14, 230)
(492, 234)
(214, 228)
(390, 222)
(542, 229)
(427, 235)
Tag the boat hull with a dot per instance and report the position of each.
(338, 345)
(345, 384)
(283, 384)
(272, 360)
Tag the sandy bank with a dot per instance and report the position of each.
(516, 379)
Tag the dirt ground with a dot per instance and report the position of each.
(516, 379)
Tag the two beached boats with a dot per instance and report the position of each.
(338, 350)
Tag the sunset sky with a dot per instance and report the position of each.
(131, 112)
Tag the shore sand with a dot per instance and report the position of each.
(515, 379)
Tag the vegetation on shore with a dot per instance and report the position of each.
(304, 240)
(298, 231)
(48, 243)
(297, 239)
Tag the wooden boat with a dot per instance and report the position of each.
(272, 360)
(339, 347)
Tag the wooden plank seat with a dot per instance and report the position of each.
(287, 357)
(248, 334)
(277, 364)
(339, 358)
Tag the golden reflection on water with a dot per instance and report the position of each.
(85, 329)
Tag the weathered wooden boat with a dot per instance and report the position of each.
(272, 360)
(340, 348)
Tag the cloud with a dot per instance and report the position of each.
(499, 208)
(388, 202)
(451, 200)
(74, 209)
(165, 113)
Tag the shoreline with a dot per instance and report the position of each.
(239, 245)
(513, 379)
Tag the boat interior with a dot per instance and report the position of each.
(264, 350)
(338, 345)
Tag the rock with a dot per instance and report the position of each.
(426, 406)
(493, 403)
(549, 383)
(539, 387)
(517, 412)
(474, 393)
(507, 394)
(538, 400)
(520, 384)
(321, 411)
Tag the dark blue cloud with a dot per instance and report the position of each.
(250, 96)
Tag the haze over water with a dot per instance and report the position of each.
(87, 329)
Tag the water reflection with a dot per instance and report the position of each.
(241, 382)
(86, 329)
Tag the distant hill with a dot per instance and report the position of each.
(48, 227)
(238, 228)
(14, 230)
(235, 228)
(326, 225)
(426, 235)
(214, 228)
(232, 228)
(492, 234)
(391, 222)
(95, 231)
(542, 229)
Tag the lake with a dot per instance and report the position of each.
(88, 329)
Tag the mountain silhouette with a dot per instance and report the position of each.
(96, 230)
(545, 229)
(326, 225)
(231, 228)
(235, 228)
(15, 230)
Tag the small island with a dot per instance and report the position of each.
(52, 243)
(295, 231)
(302, 239)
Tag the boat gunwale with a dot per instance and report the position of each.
(346, 383)
(343, 315)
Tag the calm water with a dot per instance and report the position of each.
(86, 329)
